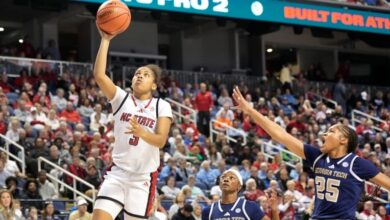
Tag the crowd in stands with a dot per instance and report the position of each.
(68, 121)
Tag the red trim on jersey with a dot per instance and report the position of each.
(146, 106)
(152, 192)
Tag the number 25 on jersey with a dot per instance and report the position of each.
(327, 188)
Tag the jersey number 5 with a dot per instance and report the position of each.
(134, 140)
(327, 188)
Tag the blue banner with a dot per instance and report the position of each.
(274, 11)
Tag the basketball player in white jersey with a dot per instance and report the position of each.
(141, 127)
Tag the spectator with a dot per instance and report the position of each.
(159, 213)
(85, 110)
(181, 153)
(339, 94)
(170, 190)
(59, 100)
(286, 77)
(97, 119)
(4, 174)
(224, 118)
(195, 151)
(382, 212)
(10, 165)
(3, 123)
(184, 213)
(236, 131)
(12, 186)
(13, 133)
(177, 204)
(76, 169)
(269, 178)
(215, 191)
(7, 207)
(252, 193)
(93, 177)
(39, 150)
(184, 170)
(197, 214)
(224, 98)
(31, 194)
(368, 212)
(255, 175)
(48, 213)
(195, 191)
(306, 201)
(283, 179)
(32, 213)
(52, 120)
(81, 213)
(260, 158)
(52, 50)
(37, 117)
(292, 191)
(187, 123)
(169, 170)
(206, 176)
(245, 170)
(286, 208)
(204, 104)
(70, 114)
(4, 83)
(302, 184)
(213, 155)
(46, 188)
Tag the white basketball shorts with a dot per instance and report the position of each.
(132, 192)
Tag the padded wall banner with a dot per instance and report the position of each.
(274, 11)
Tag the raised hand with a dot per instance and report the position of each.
(104, 35)
(242, 103)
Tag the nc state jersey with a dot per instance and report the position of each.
(131, 153)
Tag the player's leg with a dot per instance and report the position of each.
(140, 196)
(101, 214)
(109, 201)
(106, 210)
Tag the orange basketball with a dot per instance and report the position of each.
(113, 17)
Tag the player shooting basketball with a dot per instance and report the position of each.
(141, 127)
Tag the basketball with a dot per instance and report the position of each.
(113, 17)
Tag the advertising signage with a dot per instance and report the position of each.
(279, 11)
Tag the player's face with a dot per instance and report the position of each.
(143, 81)
(332, 139)
(229, 183)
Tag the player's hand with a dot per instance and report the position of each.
(104, 35)
(134, 128)
(242, 103)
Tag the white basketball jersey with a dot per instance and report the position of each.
(131, 153)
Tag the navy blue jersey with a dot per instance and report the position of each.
(339, 183)
(242, 209)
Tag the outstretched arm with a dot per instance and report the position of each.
(99, 71)
(276, 132)
(382, 180)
